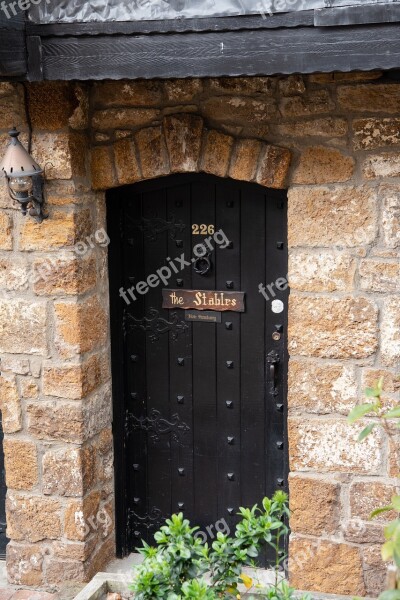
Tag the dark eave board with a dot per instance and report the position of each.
(258, 52)
(12, 46)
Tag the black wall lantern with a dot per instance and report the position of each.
(24, 178)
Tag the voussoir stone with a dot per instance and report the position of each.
(245, 160)
(153, 152)
(333, 327)
(183, 135)
(342, 217)
(217, 153)
(126, 163)
(274, 167)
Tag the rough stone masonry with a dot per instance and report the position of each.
(340, 134)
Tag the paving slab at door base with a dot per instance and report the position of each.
(105, 583)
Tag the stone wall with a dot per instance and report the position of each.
(342, 132)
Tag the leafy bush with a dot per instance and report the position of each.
(389, 421)
(183, 567)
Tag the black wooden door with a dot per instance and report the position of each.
(3, 492)
(199, 410)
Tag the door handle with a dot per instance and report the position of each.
(272, 361)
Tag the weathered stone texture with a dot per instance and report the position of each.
(153, 152)
(342, 217)
(376, 133)
(61, 103)
(323, 165)
(325, 271)
(245, 160)
(390, 196)
(22, 327)
(6, 224)
(32, 518)
(21, 464)
(102, 173)
(28, 388)
(72, 382)
(321, 389)
(10, 404)
(62, 229)
(330, 445)
(67, 472)
(80, 516)
(80, 327)
(50, 420)
(325, 567)
(14, 274)
(370, 98)
(242, 85)
(382, 165)
(328, 127)
(274, 167)
(217, 153)
(314, 103)
(127, 93)
(61, 153)
(332, 327)
(25, 564)
(314, 505)
(118, 118)
(126, 163)
(68, 275)
(390, 332)
(375, 570)
(379, 276)
(366, 496)
(178, 90)
(183, 134)
(239, 109)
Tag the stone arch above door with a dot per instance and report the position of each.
(183, 144)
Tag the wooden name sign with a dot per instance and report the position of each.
(204, 300)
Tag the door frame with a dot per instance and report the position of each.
(114, 200)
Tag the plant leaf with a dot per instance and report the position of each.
(390, 595)
(394, 413)
(366, 431)
(360, 411)
(379, 511)
(387, 550)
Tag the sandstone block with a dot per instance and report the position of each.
(22, 327)
(32, 518)
(314, 505)
(391, 383)
(379, 276)
(323, 165)
(332, 327)
(68, 275)
(74, 550)
(343, 217)
(375, 570)
(51, 420)
(61, 229)
(239, 110)
(10, 404)
(245, 160)
(183, 135)
(118, 118)
(390, 332)
(366, 496)
(217, 153)
(128, 93)
(14, 274)
(323, 272)
(182, 90)
(61, 153)
(102, 168)
(382, 165)
(153, 152)
(12, 110)
(80, 327)
(242, 85)
(390, 215)
(81, 517)
(126, 163)
(72, 382)
(29, 388)
(274, 167)
(98, 411)
(321, 389)
(314, 103)
(376, 133)
(21, 464)
(59, 571)
(292, 85)
(360, 532)
(370, 98)
(330, 445)
(328, 127)
(326, 567)
(6, 241)
(13, 364)
(61, 103)
(66, 471)
(25, 564)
